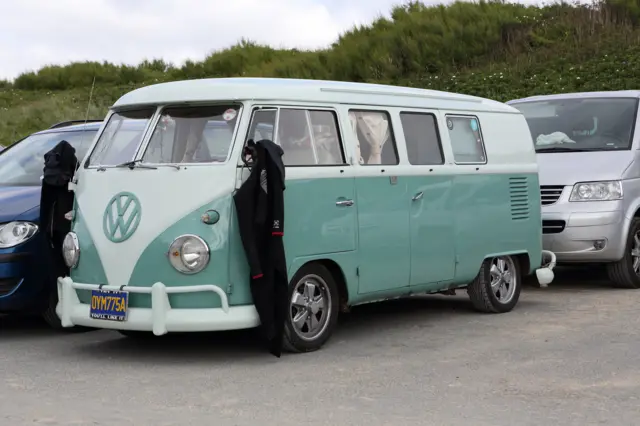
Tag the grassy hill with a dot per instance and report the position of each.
(491, 48)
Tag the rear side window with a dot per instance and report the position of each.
(376, 143)
(422, 138)
(466, 139)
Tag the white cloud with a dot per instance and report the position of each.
(34, 33)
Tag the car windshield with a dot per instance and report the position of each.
(22, 164)
(121, 137)
(580, 124)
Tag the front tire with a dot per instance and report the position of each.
(312, 311)
(496, 288)
(625, 273)
(53, 320)
(138, 335)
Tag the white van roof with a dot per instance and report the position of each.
(578, 95)
(267, 89)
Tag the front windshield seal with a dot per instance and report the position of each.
(581, 124)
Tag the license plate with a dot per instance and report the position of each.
(109, 305)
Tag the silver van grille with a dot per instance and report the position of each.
(519, 196)
(552, 226)
(549, 194)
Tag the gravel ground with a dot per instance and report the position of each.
(564, 356)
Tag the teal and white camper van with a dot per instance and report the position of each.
(391, 191)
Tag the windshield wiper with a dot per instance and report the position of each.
(562, 149)
(135, 163)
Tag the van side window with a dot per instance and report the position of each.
(307, 137)
(374, 134)
(466, 139)
(422, 138)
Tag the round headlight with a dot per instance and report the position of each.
(14, 233)
(189, 254)
(71, 250)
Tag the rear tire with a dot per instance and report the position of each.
(312, 311)
(496, 288)
(625, 273)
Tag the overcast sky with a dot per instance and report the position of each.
(34, 33)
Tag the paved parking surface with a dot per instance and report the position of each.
(567, 355)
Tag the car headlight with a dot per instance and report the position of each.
(71, 250)
(14, 233)
(189, 254)
(597, 191)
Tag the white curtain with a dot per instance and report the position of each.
(375, 128)
(354, 126)
(195, 135)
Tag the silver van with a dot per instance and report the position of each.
(589, 169)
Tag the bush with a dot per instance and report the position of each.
(492, 49)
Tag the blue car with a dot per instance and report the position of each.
(26, 283)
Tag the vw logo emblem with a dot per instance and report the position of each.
(121, 217)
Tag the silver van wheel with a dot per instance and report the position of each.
(310, 307)
(313, 308)
(625, 273)
(503, 278)
(497, 286)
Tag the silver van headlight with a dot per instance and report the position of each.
(189, 254)
(14, 233)
(71, 250)
(597, 191)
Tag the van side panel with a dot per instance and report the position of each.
(497, 205)
(495, 214)
(314, 226)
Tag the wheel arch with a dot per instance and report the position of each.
(335, 269)
(522, 256)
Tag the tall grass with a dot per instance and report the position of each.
(491, 48)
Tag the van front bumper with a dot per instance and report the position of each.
(160, 318)
(585, 237)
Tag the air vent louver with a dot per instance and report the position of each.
(519, 195)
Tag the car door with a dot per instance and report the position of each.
(320, 213)
(431, 207)
(382, 202)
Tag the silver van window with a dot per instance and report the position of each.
(580, 124)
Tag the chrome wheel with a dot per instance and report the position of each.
(503, 278)
(635, 253)
(310, 307)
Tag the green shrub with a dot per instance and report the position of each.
(492, 49)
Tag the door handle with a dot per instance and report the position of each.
(418, 196)
(347, 203)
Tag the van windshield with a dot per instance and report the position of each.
(580, 124)
(121, 137)
(201, 134)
